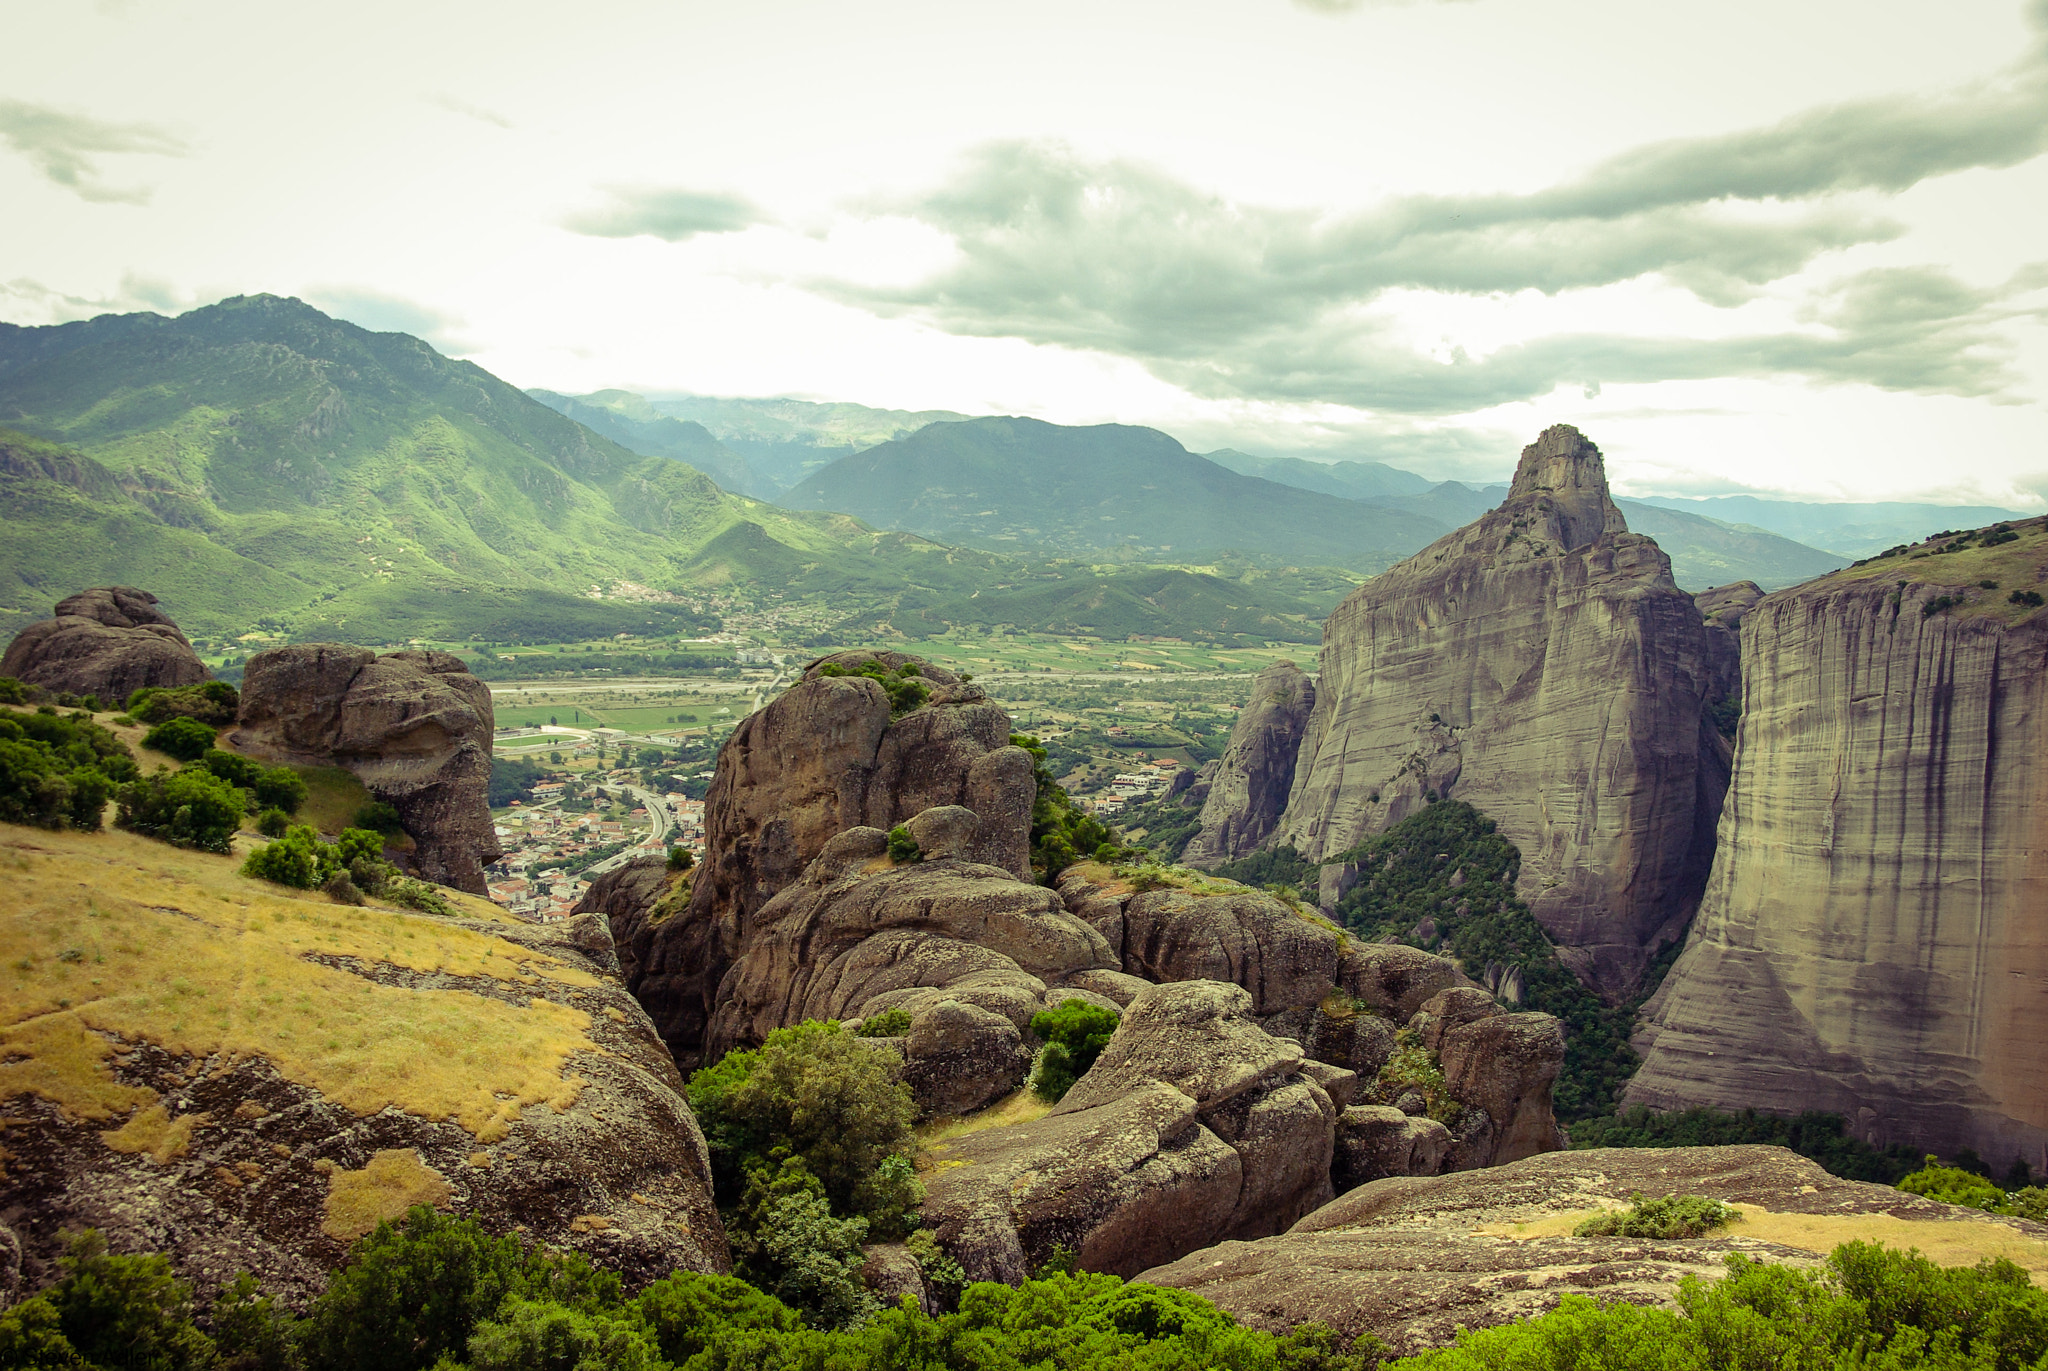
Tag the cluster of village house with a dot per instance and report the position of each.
(540, 840)
(1126, 787)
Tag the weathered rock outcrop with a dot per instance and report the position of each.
(823, 758)
(1413, 1260)
(1193, 1126)
(1249, 788)
(1541, 665)
(348, 1063)
(858, 935)
(1871, 941)
(414, 727)
(110, 641)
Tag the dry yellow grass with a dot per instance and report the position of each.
(110, 937)
(154, 1131)
(1021, 1107)
(1948, 1242)
(392, 1182)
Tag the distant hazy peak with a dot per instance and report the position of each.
(1565, 465)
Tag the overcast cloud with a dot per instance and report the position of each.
(66, 148)
(1239, 300)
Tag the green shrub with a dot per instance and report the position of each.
(210, 702)
(890, 1023)
(184, 738)
(416, 1290)
(1953, 1185)
(2029, 598)
(280, 787)
(236, 770)
(188, 808)
(540, 1335)
(687, 1312)
(819, 1094)
(300, 859)
(906, 687)
(902, 847)
(58, 772)
(272, 823)
(1061, 831)
(127, 1311)
(790, 1244)
(1074, 1034)
(1674, 1216)
(681, 859)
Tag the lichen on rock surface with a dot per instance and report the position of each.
(414, 727)
(244, 1076)
(110, 642)
(1414, 1260)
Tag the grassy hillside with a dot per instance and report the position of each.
(631, 422)
(1141, 602)
(1111, 489)
(258, 460)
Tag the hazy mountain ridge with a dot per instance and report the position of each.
(1109, 490)
(1852, 530)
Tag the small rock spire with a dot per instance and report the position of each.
(1564, 465)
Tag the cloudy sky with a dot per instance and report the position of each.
(1756, 246)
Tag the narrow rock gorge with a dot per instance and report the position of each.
(1541, 665)
(1871, 940)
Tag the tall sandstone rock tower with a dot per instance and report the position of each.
(1541, 665)
(1874, 938)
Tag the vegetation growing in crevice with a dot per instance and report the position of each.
(1062, 833)
(1074, 1034)
(1443, 879)
(906, 686)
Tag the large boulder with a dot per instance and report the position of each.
(110, 641)
(824, 757)
(1193, 1125)
(1541, 665)
(1414, 1260)
(262, 1075)
(415, 728)
(858, 935)
(1248, 790)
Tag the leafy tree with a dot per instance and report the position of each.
(687, 1311)
(32, 1339)
(127, 1311)
(188, 808)
(272, 823)
(58, 772)
(231, 767)
(540, 1335)
(415, 1291)
(821, 1095)
(681, 859)
(513, 778)
(211, 702)
(301, 860)
(1075, 1034)
(1061, 832)
(182, 737)
(280, 787)
(251, 1330)
(789, 1244)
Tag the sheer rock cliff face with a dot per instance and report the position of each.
(823, 758)
(415, 728)
(1541, 665)
(1872, 939)
(1249, 788)
(110, 642)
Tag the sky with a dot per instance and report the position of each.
(1792, 250)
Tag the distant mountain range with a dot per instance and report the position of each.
(1852, 530)
(1110, 492)
(758, 447)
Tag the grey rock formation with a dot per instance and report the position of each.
(1723, 609)
(1377, 1140)
(959, 1057)
(1194, 1125)
(1415, 1260)
(857, 935)
(110, 641)
(414, 727)
(1541, 665)
(1249, 788)
(823, 758)
(1871, 940)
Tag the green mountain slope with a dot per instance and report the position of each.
(258, 459)
(1149, 601)
(1131, 493)
(632, 423)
